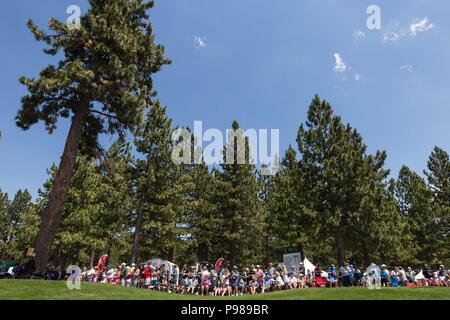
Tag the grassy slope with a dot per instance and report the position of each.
(43, 290)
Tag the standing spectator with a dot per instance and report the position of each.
(443, 276)
(260, 277)
(205, 281)
(110, 275)
(357, 277)
(147, 275)
(384, 274)
(319, 280)
(271, 270)
(90, 275)
(301, 269)
(344, 275)
(427, 274)
(411, 275)
(84, 274)
(332, 277)
(403, 277)
(235, 280)
(351, 272)
(394, 277)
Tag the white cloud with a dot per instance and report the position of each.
(393, 36)
(340, 66)
(418, 25)
(421, 25)
(407, 68)
(358, 35)
(200, 42)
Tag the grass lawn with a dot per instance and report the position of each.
(46, 290)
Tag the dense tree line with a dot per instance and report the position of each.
(329, 198)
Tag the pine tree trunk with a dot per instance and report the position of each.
(202, 251)
(339, 247)
(366, 257)
(137, 236)
(266, 240)
(302, 252)
(51, 214)
(233, 254)
(108, 252)
(170, 254)
(58, 256)
(92, 258)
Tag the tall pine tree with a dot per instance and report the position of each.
(103, 83)
(237, 193)
(156, 217)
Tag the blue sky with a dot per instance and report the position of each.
(260, 62)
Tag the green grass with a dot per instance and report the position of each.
(46, 290)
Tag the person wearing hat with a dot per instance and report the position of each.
(91, 274)
(292, 282)
(110, 274)
(279, 282)
(271, 269)
(260, 277)
(394, 277)
(96, 275)
(205, 281)
(344, 275)
(136, 276)
(301, 269)
(332, 276)
(411, 275)
(147, 275)
(443, 276)
(403, 277)
(129, 275)
(235, 280)
(245, 278)
(384, 274)
(123, 274)
(226, 284)
(253, 284)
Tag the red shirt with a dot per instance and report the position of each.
(147, 272)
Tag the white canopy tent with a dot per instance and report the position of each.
(310, 267)
(172, 268)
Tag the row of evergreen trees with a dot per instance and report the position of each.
(330, 198)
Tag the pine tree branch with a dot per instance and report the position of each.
(103, 114)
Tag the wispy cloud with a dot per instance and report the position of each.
(342, 68)
(200, 42)
(407, 68)
(393, 36)
(339, 66)
(420, 26)
(358, 35)
(415, 27)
